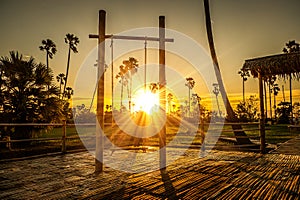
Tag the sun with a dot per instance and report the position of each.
(146, 101)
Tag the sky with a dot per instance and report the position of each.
(242, 29)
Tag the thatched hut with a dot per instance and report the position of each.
(282, 65)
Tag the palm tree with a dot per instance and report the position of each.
(271, 82)
(244, 73)
(69, 92)
(153, 87)
(230, 113)
(60, 79)
(131, 67)
(50, 48)
(275, 89)
(72, 41)
(216, 91)
(26, 98)
(190, 84)
(122, 80)
(170, 98)
(291, 47)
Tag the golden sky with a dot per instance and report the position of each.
(242, 30)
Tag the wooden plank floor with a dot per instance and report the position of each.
(219, 175)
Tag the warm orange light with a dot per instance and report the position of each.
(146, 101)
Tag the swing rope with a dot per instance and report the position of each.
(112, 74)
(145, 57)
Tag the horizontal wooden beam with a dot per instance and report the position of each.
(124, 37)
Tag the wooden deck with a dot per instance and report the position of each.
(219, 175)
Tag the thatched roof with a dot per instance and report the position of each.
(281, 64)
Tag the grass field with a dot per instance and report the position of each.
(275, 134)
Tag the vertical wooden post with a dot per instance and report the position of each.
(162, 94)
(291, 98)
(262, 116)
(63, 139)
(100, 94)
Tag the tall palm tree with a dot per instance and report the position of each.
(271, 82)
(291, 47)
(50, 48)
(72, 41)
(216, 92)
(244, 73)
(170, 98)
(190, 84)
(122, 80)
(131, 67)
(230, 113)
(276, 90)
(61, 80)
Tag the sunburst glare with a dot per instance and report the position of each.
(146, 101)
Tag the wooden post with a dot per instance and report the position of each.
(100, 94)
(262, 116)
(162, 92)
(291, 99)
(63, 139)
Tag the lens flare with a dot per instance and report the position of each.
(146, 101)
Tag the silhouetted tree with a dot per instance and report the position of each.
(275, 89)
(291, 47)
(170, 98)
(123, 80)
(72, 41)
(131, 66)
(216, 92)
(190, 83)
(247, 110)
(61, 80)
(50, 48)
(24, 93)
(69, 92)
(244, 73)
(230, 113)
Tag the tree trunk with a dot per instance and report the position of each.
(266, 102)
(47, 62)
(230, 113)
(270, 100)
(122, 86)
(291, 99)
(67, 72)
(243, 90)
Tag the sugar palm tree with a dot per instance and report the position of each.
(291, 47)
(271, 82)
(131, 66)
(122, 80)
(72, 41)
(230, 113)
(275, 89)
(154, 87)
(190, 84)
(69, 92)
(50, 48)
(216, 92)
(61, 80)
(244, 73)
(170, 98)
